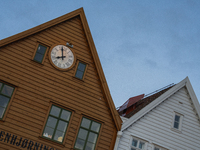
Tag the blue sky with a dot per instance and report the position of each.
(143, 45)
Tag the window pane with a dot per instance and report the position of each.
(176, 124)
(95, 126)
(7, 90)
(134, 142)
(81, 66)
(1, 111)
(79, 74)
(51, 122)
(92, 137)
(55, 111)
(82, 134)
(3, 101)
(59, 136)
(141, 145)
(65, 115)
(79, 144)
(38, 57)
(48, 132)
(177, 118)
(62, 126)
(89, 146)
(41, 49)
(0, 85)
(85, 123)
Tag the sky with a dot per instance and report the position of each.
(143, 45)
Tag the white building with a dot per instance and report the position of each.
(166, 120)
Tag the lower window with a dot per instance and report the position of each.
(159, 148)
(6, 92)
(56, 124)
(137, 144)
(87, 135)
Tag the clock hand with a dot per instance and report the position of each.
(62, 52)
(60, 57)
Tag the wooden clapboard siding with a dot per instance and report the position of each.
(39, 85)
(156, 125)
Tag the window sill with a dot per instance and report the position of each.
(76, 78)
(176, 130)
(51, 141)
(2, 120)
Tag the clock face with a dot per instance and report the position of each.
(62, 57)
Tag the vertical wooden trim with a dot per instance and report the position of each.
(100, 132)
(69, 126)
(45, 120)
(112, 145)
(73, 143)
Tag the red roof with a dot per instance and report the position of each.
(130, 102)
(140, 101)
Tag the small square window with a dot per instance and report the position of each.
(6, 92)
(40, 53)
(137, 144)
(80, 70)
(87, 135)
(177, 121)
(56, 124)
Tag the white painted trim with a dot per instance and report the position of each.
(119, 134)
(140, 137)
(160, 145)
(193, 97)
(180, 122)
(162, 98)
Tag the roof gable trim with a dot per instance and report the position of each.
(40, 27)
(163, 97)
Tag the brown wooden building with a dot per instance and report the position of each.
(53, 92)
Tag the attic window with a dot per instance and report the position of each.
(80, 70)
(177, 121)
(40, 53)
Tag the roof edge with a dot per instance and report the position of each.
(115, 115)
(156, 102)
(193, 97)
(39, 28)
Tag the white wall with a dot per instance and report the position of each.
(155, 127)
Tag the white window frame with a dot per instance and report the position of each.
(159, 147)
(137, 147)
(180, 122)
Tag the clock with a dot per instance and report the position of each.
(61, 57)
